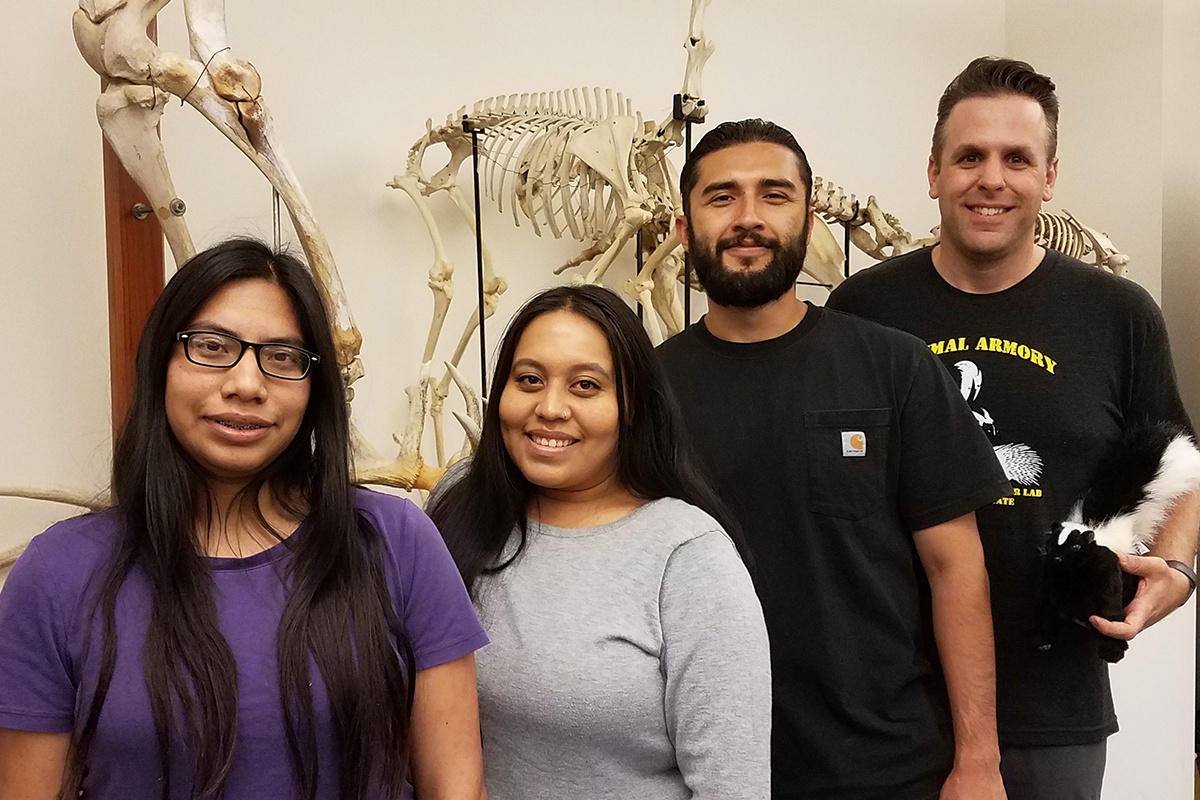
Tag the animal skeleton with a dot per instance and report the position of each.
(579, 161)
(111, 36)
(887, 237)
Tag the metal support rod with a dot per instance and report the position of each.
(641, 259)
(846, 246)
(687, 261)
(478, 253)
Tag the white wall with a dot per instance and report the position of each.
(1181, 191)
(53, 313)
(857, 83)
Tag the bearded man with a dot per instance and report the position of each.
(855, 468)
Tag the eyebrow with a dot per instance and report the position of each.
(971, 147)
(207, 325)
(586, 366)
(765, 183)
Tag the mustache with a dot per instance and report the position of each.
(748, 238)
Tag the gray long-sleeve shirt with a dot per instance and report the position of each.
(628, 660)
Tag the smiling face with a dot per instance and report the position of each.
(559, 415)
(235, 421)
(747, 224)
(991, 178)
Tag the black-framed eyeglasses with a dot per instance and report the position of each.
(222, 351)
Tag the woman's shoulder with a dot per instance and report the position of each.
(396, 519)
(676, 522)
(381, 504)
(62, 560)
(81, 541)
(408, 534)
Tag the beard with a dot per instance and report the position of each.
(746, 289)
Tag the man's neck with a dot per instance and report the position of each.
(986, 277)
(755, 324)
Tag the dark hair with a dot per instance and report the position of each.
(989, 76)
(728, 134)
(336, 589)
(476, 515)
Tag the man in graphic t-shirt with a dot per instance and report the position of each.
(1057, 360)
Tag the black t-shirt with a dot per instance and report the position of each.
(833, 443)
(1055, 368)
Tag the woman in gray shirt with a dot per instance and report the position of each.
(629, 657)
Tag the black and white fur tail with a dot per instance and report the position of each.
(1129, 498)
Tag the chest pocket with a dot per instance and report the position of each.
(847, 455)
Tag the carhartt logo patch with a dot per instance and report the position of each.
(854, 444)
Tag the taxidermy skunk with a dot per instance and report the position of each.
(1134, 487)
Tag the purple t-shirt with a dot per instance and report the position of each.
(46, 678)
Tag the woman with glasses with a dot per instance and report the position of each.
(244, 623)
(629, 656)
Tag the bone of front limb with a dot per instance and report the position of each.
(111, 36)
(245, 121)
(664, 296)
(493, 287)
(119, 49)
(699, 50)
(441, 274)
(825, 257)
(234, 80)
(641, 290)
(659, 272)
(113, 40)
(129, 118)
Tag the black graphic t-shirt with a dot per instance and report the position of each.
(1054, 368)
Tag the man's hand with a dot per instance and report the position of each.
(1160, 591)
(973, 782)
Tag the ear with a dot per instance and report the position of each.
(681, 231)
(932, 171)
(812, 215)
(1051, 177)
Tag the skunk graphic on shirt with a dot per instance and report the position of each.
(1022, 465)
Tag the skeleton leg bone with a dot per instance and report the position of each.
(226, 94)
(441, 274)
(129, 116)
(493, 287)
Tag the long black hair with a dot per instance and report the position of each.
(476, 515)
(338, 613)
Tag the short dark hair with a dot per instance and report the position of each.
(728, 134)
(478, 513)
(990, 76)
